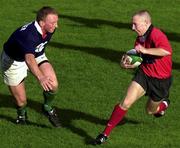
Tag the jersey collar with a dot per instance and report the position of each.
(38, 27)
(146, 34)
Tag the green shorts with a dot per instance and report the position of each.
(156, 89)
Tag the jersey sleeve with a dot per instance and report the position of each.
(161, 41)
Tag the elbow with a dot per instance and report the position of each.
(166, 53)
(29, 58)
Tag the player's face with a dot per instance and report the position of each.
(139, 25)
(50, 23)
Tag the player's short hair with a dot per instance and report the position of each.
(143, 13)
(44, 11)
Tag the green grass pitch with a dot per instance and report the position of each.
(85, 52)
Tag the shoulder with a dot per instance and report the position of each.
(27, 27)
(159, 38)
(28, 30)
(157, 33)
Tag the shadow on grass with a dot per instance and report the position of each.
(7, 101)
(176, 66)
(28, 122)
(105, 53)
(96, 23)
(92, 23)
(67, 116)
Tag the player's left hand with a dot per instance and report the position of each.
(140, 49)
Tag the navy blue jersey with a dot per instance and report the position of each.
(26, 39)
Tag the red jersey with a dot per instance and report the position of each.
(156, 66)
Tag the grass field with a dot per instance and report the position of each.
(85, 52)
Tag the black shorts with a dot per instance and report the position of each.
(157, 89)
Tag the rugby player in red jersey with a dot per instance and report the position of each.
(153, 78)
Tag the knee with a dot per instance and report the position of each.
(55, 86)
(126, 104)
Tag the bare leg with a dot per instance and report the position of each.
(19, 94)
(48, 70)
(134, 92)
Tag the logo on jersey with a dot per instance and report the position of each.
(25, 26)
(40, 47)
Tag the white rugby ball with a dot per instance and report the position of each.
(134, 59)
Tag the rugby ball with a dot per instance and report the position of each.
(134, 58)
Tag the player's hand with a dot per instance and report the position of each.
(140, 49)
(125, 63)
(46, 83)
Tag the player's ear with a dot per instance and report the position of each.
(147, 21)
(41, 23)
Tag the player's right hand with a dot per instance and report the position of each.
(125, 63)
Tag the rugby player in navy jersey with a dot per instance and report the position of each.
(25, 50)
